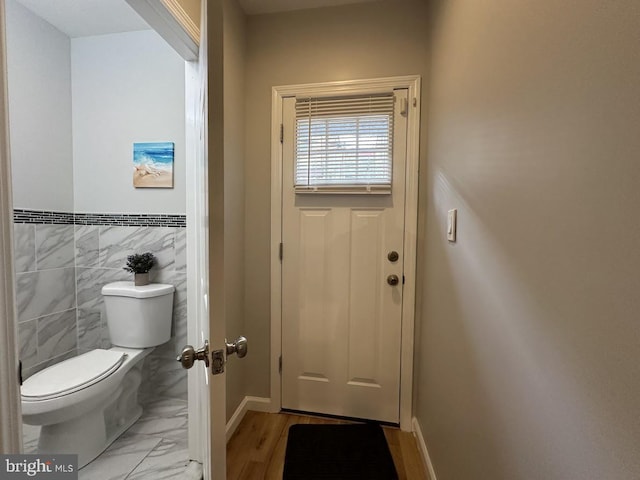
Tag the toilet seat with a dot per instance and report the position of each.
(72, 375)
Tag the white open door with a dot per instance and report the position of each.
(198, 254)
(205, 252)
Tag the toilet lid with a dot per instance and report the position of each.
(72, 375)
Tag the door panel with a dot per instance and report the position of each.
(365, 297)
(340, 318)
(313, 288)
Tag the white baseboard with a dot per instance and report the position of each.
(423, 448)
(257, 404)
(193, 471)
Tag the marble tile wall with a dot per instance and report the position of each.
(101, 252)
(60, 272)
(46, 294)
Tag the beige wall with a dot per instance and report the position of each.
(529, 363)
(234, 55)
(340, 43)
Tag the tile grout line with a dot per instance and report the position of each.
(144, 458)
(75, 286)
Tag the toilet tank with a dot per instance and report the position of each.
(138, 317)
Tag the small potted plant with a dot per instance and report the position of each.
(139, 264)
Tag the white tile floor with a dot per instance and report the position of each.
(155, 447)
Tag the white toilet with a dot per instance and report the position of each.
(84, 403)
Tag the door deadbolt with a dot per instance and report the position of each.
(393, 280)
(393, 256)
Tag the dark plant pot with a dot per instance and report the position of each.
(141, 279)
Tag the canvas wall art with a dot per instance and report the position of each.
(153, 165)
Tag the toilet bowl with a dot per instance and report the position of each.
(84, 403)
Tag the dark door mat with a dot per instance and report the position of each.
(357, 451)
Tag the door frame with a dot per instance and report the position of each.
(10, 410)
(412, 83)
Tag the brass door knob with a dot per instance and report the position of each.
(393, 280)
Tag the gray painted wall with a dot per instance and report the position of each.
(123, 91)
(127, 87)
(529, 350)
(39, 84)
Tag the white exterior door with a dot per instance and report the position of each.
(341, 312)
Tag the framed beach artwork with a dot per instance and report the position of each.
(153, 165)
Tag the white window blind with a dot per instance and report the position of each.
(344, 144)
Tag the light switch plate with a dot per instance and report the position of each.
(452, 224)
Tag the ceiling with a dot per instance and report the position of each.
(81, 18)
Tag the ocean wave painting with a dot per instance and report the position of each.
(153, 165)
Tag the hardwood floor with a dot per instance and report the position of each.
(256, 450)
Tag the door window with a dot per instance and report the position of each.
(344, 144)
